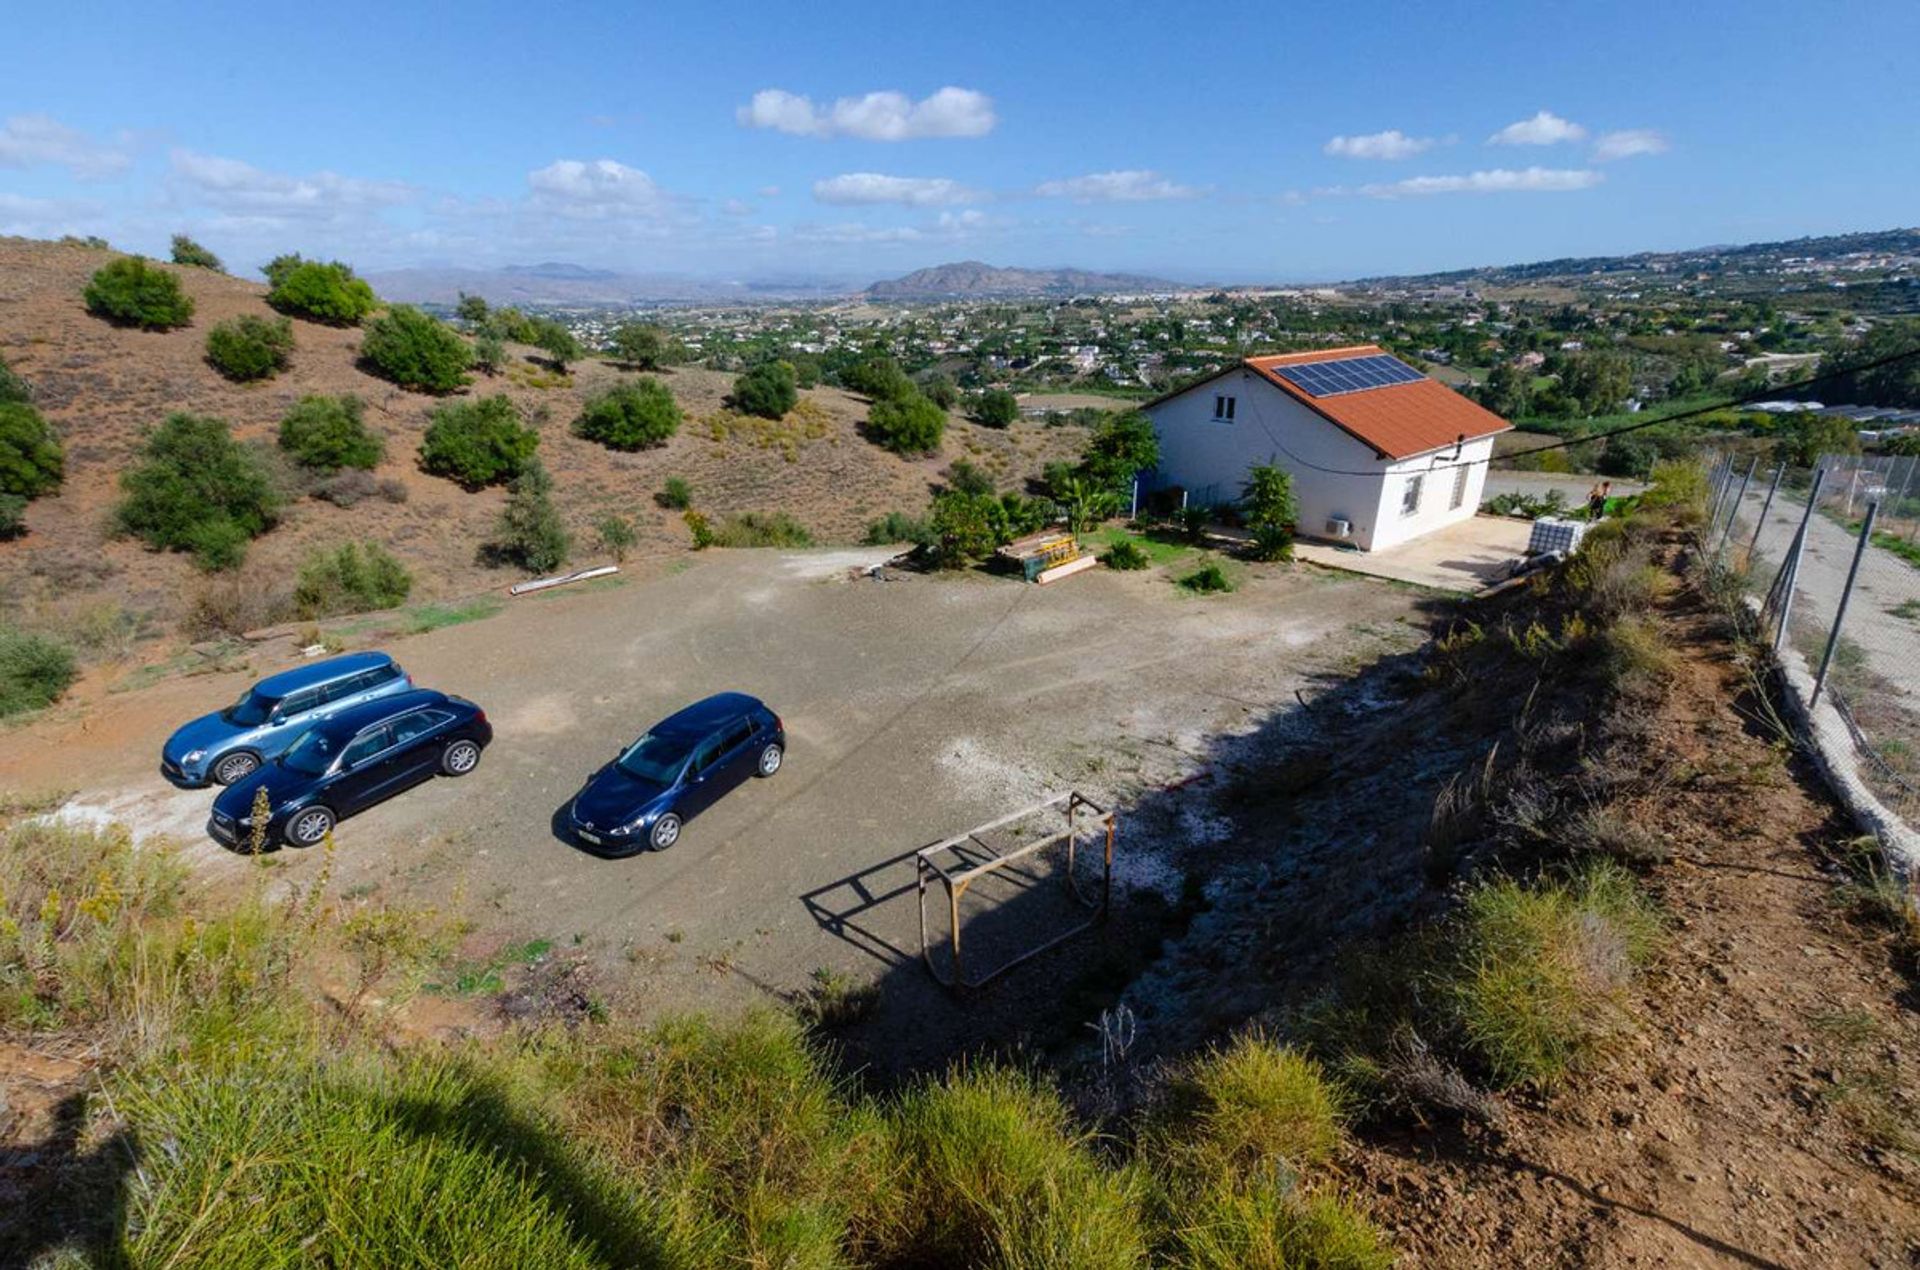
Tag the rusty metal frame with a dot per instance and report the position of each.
(1083, 815)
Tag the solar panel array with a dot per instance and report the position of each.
(1347, 374)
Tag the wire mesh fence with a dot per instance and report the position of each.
(1834, 547)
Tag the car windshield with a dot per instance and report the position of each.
(311, 754)
(250, 711)
(656, 757)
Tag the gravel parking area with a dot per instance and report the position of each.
(915, 707)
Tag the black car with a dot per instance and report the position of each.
(347, 763)
(677, 769)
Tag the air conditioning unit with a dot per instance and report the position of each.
(1339, 527)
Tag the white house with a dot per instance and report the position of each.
(1378, 452)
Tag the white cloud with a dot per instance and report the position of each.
(232, 185)
(1132, 186)
(882, 116)
(854, 233)
(1491, 181)
(857, 188)
(1628, 142)
(25, 217)
(1391, 144)
(1544, 129)
(596, 190)
(30, 140)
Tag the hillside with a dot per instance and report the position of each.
(102, 385)
(972, 279)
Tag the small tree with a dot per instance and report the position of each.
(320, 292)
(188, 252)
(940, 390)
(630, 416)
(768, 390)
(616, 536)
(249, 347)
(328, 433)
(416, 351)
(996, 408)
(32, 462)
(911, 425)
(556, 341)
(966, 527)
(642, 346)
(12, 386)
(489, 352)
(34, 671)
(1121, 446)
(196, 489)
(472, 308)
(1268, 505)
(352, 578)
(968, 478)
(131, 291)
(879, 378)
(478, 443)
(532, 535)
(675, 495)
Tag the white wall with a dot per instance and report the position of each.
(1210, 458)
(1438, 471)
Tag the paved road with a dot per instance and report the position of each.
(915, 709)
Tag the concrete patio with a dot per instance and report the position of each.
(1465, 557)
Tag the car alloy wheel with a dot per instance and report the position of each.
(461, 757)
(235, 767)
(309, 826)
(770, 760)
(666, 832)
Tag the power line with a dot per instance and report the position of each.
(1731, 403)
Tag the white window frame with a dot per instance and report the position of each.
(1459, 488)
(1410, 496)
(1223, 406)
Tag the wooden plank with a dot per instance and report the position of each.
(1066, 570)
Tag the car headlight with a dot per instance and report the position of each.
(621, 831)
(194, 756)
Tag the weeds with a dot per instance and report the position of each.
(757, 529)
(835, 999)
(1209, 579)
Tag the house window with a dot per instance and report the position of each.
(1459, 487)
(1410, 499)
(1223, 409)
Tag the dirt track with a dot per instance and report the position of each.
(915, 708)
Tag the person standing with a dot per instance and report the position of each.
(1597, 500)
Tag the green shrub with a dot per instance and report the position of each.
(532, 535)
(1270, 510)
(1539, 976)
(701, 528)
(34, 671)
(250, 347)
(131, 291)
(328, 433)
(556, 341)
(351, 578)
(965, 477)
(999, 1176)
(196, 489)
(769, 390)
(966, 527)
(477, 443)
(643, 346)
(416, 351)
(1208, 579)
(1252, 1108)
(319, 292)
(630, 416)
(907, 425)
(13, 516)
(996, 408)
(616, 536)
(12, 386)
(898, 527)
(760, 529)
(1125, 555)
(1270, 1228)
(1272, 543)
(489, 352)
(940, 389)
(188, 252)
(879, 378)
(32, 461)
(1121, 446)
(676, 494)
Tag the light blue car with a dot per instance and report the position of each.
(230, 744)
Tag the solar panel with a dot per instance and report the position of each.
(1347, 374)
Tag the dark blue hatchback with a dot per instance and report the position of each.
(677, 769)
(345, 764)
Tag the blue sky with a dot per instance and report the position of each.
(1220, 143)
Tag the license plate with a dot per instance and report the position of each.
(594, 838)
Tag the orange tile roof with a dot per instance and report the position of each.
(1398, 421)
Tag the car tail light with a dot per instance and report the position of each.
(480, 716)
(777, 725)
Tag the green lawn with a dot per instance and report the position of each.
(1162, 547)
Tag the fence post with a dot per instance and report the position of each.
(1716, 490)
(1840, 614)
(1790, 571)
(1765, 507)
(1733, 512)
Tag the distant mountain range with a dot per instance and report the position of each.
(554, 283)
(970, 279)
